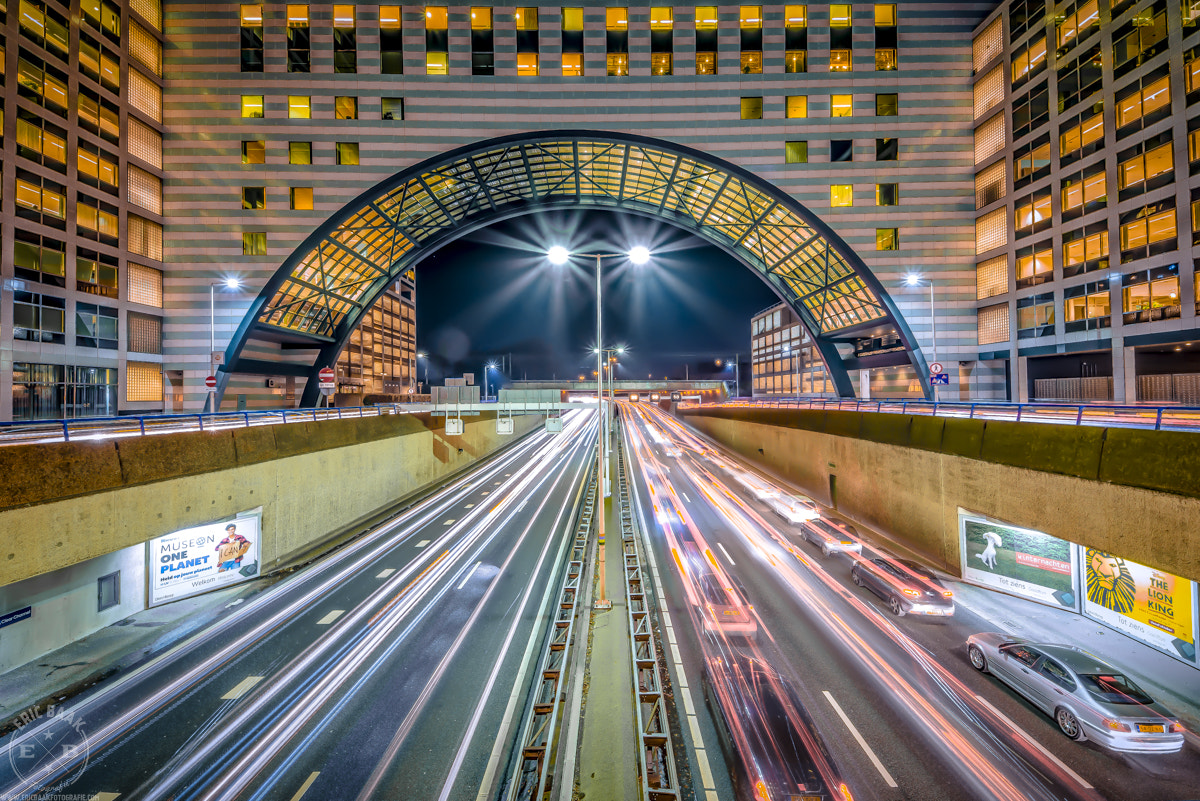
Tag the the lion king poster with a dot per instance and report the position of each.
(1147, 604)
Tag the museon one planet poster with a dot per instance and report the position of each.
(1021, 561)
(204, 558)
(1147, 604)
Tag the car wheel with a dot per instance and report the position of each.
(896, 607)
(825, 551)
(1069, 724)
(857, 579)
(978, 660)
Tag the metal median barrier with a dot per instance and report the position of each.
(656, 760)
(536, 760)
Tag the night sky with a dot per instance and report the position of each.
(493, 293)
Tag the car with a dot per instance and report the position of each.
(759, 488)
(724, 611)
(1088, 698)
(793, 510)
(831, 536)
(908, 587)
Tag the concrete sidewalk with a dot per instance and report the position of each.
(1170, 681)
(608, 761)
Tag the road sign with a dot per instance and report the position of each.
(936, 368)
(211, 382)
(327, 383)
(940, 378)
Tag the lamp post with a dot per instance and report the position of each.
(230, 284)
(610, 363)
(422, 356)
(487, 369)
(914, 279)
(639, 255)
(737, 388)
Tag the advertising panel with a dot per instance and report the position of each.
(1147, 604)
(204, 558)
(1022, 561)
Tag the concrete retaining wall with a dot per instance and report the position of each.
(1133, 493)
(66, 503)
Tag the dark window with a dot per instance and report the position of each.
(39, 318)
(95, 326)
(39, 258)
(1035, 318)
(254, 197)
(345, 39)
(887, 149)
(841, 150)
(887, 105)
(1080, 79)
(392, 108)
(108, 591)
(391, 41)
(145, 333)
(1140, 39)
(252, 38)
(887, 194)
(299, 50)
(1031, 111)
(96, 273)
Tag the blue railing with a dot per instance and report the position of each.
(1158, 418)
(39, 431)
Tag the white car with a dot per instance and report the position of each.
(794, 510)
(831, 536)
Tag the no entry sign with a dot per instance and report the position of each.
(211, 382)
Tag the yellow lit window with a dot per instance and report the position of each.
(297, 16)
(885, 59)
(841, 195)
(343, 16)
(618, 64)
(751, 108)
(841, 105)
(345, 108)
(1090, 190)
(616, 19)
(885, 15)
(706, 63)
(797, 106)
(527, 63)
(661, 19)
(839, 16)
(437, 64)
(572, 19)
(389, 18)
(706, 18)
(751, 62)
(251, 16)
(299, 107)
(254, 151)
(1144, 167)
(1148, 230)
(1082, 135)
(526, 19)
(302, 198)
(435, 18)
(1192, 75)
(795, 61)
(481, 19)
(841, 60)
(572, 63)
(795, 16)
(252, 106)
(795, 152)
(661, 64)
(887, 239)
(751, 18)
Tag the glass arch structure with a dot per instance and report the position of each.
(319, 294)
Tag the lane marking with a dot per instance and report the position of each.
(448, 521)
(244, 686)
(386, 572)
(887, 777)
(685, 497)
(312, 777)
(470, 505)
(727, 556)
(329, 618)
(105, 797)
(486, 492)
(498, 483)
(467, 577)
(1029, 739)
(422, 543)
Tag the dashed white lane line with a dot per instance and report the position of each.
(887, 777)
(385, 572)
(685, 497)
(332, 616)
(105, 797)
(422, 543)
(312, 777)
(470, 505)
(447, 521)
(244, 686)
(727, 556)
(467, 577)
(1029, 739)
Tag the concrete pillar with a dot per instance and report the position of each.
(864, 384)
(1124, 373)
(1021, 380)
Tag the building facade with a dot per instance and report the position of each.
(1087, 147)
(783, 361)
(274, 116)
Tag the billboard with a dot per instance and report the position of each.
(1147, 604)
(204, 558)
(1021, 561)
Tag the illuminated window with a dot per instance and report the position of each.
(1149, 295)
(887, 105)
(437, 41)
(572, 41)
(145, 285)
(1035, 316)
(885, 15)
(990, 185)
(252, 106)
(1147, 231)
(989, 91)
(143, 382)
(144, 237)
(572, 63)
(795, 38)
(840, 61)
(991, 277)
(1075, 25)
(41, 200)
(299, 107)
(992, 324)
(839, 16)
(299, 152)
(989, 138)
(1144, 163)
(797, 106)
(1139, 102)
(254, 243)
(96, 273)
(1033, 213)
(345, 108)
(841, 105)
(991, 231)
(1028, 61)
(391, 108)
(751, 108)
(706, 40)
(751, 62)
(437, 64)
(616, 21)
(1085, 249)
(1083, 192)
(301, 198)
(42, 83)
(706, 63)
(841, 195)
(750, 24)
(1087, 306)
(40, 258)
(347, 153)
(1079, 136)
(1035, 264)
(885, 37)
(887, 239)
(840, 38)
(795, 152)
(95, 219)
(987, 45)
(143, 188)
(299, 47)
(662, 41)
(527, 63)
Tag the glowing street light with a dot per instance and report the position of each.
(231, 283)
(915, 279)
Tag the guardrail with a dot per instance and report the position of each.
(26, 433)
(658, 780)
(1157, 418)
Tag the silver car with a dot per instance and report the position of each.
(1090, 700)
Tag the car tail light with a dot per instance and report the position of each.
(947, 594)
(845, 792)
(1176, 727)
(911, 592)
(1115, 725)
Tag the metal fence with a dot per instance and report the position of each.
(1158, 418)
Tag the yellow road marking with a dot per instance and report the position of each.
(243, 687)
(332, 616)
(312, 777)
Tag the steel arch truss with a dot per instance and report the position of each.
(320, 293)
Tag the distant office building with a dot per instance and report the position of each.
(783, 361)
(381, 358)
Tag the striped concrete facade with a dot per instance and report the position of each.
(1090, 295)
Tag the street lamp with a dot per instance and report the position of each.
(487, 368)
(422, 356)
(230, 283)
(914, 279)
(639, 255)
(737, 383)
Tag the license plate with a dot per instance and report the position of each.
(847, 542)
(731, 612)
(1157, 728)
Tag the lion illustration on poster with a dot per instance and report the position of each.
(1109, 582)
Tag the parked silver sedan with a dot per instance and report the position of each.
(1089, 699)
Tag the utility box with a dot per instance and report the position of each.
(553, 425)
(504, 425)
(454, 426)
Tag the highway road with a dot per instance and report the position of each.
(802, 668)
(394, 667)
